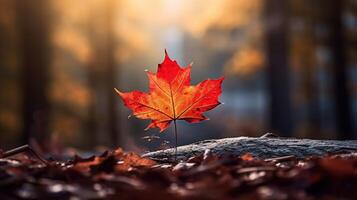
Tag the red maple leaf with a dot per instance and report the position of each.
(171, 97)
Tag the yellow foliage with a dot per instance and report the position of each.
(245, 62)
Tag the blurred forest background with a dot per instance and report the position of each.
(290, 68)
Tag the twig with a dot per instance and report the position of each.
(175, 140)
(21, 149)
(282, 158)
(255, 169)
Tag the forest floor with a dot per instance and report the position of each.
(119, 175)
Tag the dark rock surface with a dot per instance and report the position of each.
(267, 146)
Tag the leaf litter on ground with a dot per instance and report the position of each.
(120, 175)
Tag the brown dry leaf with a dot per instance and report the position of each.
(339, 167)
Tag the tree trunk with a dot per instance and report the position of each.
(93, 81)
(103, 116)
(33, 30)
(342, 96)
(111, 75)
(277, 66)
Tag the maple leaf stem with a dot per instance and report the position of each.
(175, 140)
